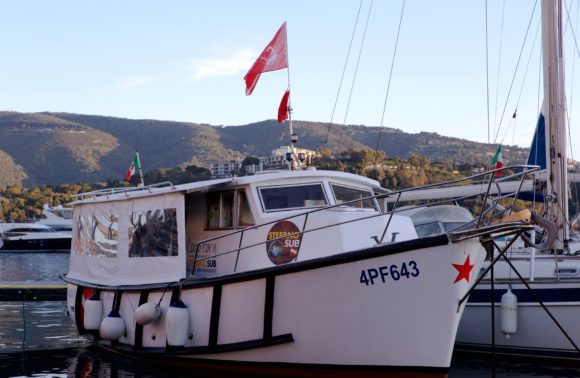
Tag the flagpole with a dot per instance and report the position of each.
(293, 137)
(140, 171)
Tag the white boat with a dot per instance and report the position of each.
(33, 237)
(58, 217)
(538, 317)
(282, 269)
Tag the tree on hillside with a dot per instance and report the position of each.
(177, 175)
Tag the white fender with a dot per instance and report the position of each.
(112, 326)
(177, 324)
(509, 313)
(147, 313)
(93, 313)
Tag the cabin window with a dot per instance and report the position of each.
(24, 230)
(292, 197)
(222, 209)
(153, 233)
(97, 235)
(62, 228)
(346, 194)
(245, 217)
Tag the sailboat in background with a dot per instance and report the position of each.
(535, 292)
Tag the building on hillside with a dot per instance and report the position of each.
(274, 162)
(278, 160)
(280, 153)
(225, 169)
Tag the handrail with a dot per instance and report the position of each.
(127, 190)
(526, 169)
(379, 196)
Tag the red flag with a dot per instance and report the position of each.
(498, 161)
(274, 57)
(134, 168)
(283, 109)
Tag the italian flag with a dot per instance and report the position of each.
(135, 166)
(498, 160)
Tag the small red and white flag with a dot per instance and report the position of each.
(283, 109)
(498, 160)
(274, 57)
(134, 168)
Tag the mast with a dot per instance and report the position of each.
(555, 108)
(293, 136)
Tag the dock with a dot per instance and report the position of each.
(32, 291)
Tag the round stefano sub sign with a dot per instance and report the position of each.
(283, 242)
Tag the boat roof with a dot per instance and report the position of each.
(265, 177)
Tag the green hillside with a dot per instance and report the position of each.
(57, 148)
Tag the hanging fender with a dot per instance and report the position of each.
(147, 313)
(112, 326)
(509, 313)
(93, 313)
(177, 324)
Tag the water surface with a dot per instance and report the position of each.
(39, 339)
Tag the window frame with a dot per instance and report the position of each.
(235, 209)
(238, 209)
(263, 205)
(369, 190)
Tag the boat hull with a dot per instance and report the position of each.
(394, 305)
(221, 368)
(36, 245)
(537, 333)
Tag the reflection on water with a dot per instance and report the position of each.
(36, 326)
(32, 266)
(88, 361)
(91, 361)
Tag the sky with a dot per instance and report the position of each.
(185, 61)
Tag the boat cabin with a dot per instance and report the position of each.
(220, 227)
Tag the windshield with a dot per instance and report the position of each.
(293, 197)
(346, 194)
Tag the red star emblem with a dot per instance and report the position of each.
(463, 270)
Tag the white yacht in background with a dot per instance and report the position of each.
(33, 237)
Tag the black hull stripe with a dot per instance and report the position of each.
(204, 349)
(571, 295)
(79, 321)
(138, 327)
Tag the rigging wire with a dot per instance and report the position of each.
(498, 61)
(572, 30)
(390, 76)
(539, 111)
(574, 191)
(325, 141)
(515, 71)
(357, 63)
(522, 86)
(487, 70)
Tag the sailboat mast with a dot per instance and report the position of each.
(554, 99)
